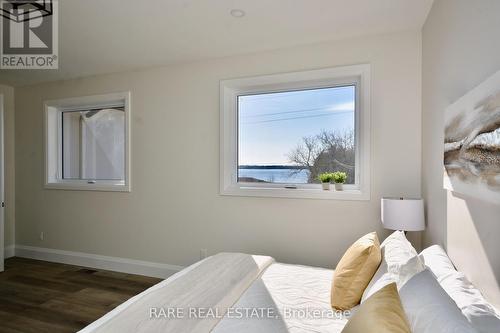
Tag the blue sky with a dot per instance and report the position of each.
(271, 125)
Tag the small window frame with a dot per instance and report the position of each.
(53, 142)
(358, 75)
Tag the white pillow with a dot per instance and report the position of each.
(437, 261)
(429, 309)
(468, 298)
(398, 250)
(400, 262)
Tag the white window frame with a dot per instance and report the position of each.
(53, 142)
(358, 75)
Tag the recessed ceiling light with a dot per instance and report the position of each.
(237, 13)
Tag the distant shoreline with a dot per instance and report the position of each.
(270, 167)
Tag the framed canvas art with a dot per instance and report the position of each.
(472, 142)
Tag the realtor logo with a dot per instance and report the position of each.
(29, 38)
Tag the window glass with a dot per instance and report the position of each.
(291, 137)
(93, 144)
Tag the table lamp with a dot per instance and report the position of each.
(403, 214)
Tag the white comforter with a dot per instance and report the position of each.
(299, 294)
(287, 298)
(215, 283)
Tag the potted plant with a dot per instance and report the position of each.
(339, 179)
(325, 178)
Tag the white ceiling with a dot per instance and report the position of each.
(105, 36)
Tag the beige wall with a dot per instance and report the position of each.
(174, 209)
(460, 50)
(8, 96)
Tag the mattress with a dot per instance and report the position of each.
(284, 298)
(299, 297)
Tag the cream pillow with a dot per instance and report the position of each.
(382, 312)
(354, 271)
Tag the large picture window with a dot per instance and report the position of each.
(281, 131)
(291, 137)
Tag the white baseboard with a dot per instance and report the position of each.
(116, 264)
(8, 251)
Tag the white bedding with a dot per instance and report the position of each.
(215, 283)
(300, 295)
(288, 298)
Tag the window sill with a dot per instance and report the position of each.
(84, 186)
(299, 193)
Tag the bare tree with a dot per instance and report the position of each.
(306, 152)
(326, 152)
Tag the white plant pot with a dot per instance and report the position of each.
(339, 187)
(326, 186)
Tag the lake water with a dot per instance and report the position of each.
(276, 175)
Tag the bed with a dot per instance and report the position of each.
(236, 292)
(255, 294)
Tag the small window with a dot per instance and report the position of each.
(279, 132)
(87, 143)
(93, 144)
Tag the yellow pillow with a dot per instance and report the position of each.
(381, 312)
(354, 271)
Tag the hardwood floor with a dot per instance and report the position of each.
(38, 296)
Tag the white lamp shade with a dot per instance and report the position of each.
(403, 214)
